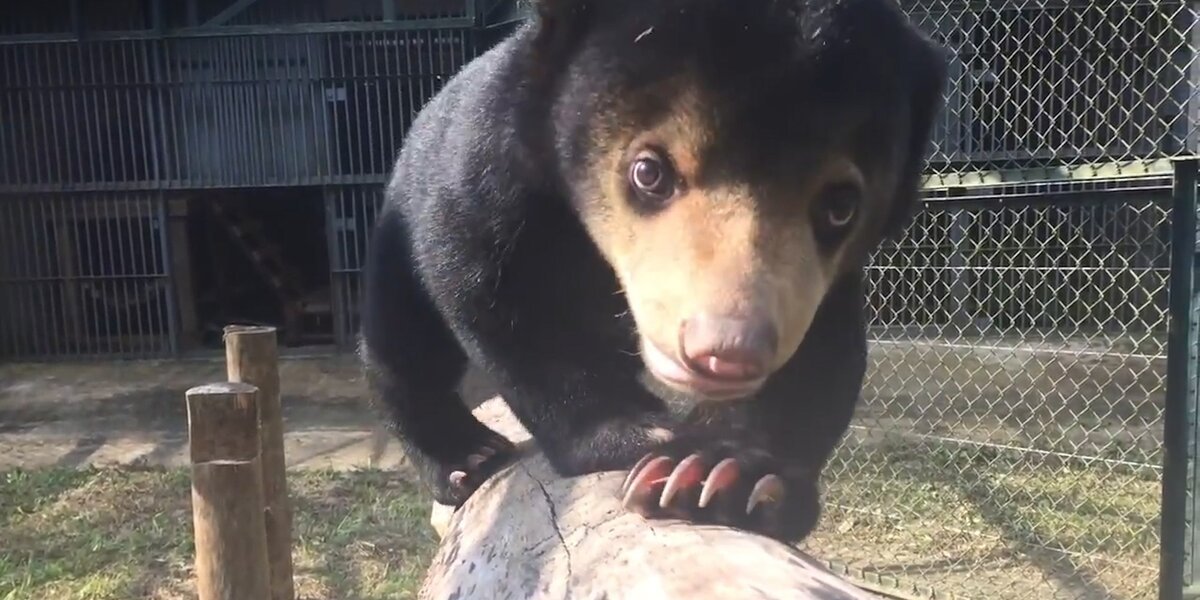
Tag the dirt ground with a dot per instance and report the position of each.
(133, 413)
(1083, 401)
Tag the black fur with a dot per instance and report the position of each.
(479, 255)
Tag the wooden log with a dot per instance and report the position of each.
(252, 356)
(528, 533)
(227, 499)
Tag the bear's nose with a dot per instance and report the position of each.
(737, 348)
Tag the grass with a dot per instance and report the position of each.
(97, 534)
(921, 518)
(987, 525)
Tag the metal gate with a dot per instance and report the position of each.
(85, 275)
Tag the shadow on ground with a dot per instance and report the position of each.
(97, 414)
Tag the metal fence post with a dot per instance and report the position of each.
(337, 278)
(166, 255)
(1180, 382)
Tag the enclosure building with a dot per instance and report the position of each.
(170, 166)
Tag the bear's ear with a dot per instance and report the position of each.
(928, 73)
(559, 21)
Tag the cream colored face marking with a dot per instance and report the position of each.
(711, 248)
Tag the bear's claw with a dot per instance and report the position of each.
(721, 477)
(724, 484)
(465, 477)
(651, 471)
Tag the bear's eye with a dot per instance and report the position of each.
(834, 212)
(839, 204)
(652, 176)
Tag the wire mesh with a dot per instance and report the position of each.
(1061, 89)
(1009, 441)
(84, 276)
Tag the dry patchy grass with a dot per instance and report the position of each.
(961, 523)
(96, 534)
(949, 522)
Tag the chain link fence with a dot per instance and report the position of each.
(1009, 444)
(1010, 436)
(1054, 89)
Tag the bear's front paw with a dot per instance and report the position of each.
(723, 482)
(457, 481)
(611, 445)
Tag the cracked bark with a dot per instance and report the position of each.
(566, 548)
(495, 546)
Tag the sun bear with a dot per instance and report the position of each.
(647, 222)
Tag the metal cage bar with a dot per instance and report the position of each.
(350, 217)
(84, 276)
(212, 113)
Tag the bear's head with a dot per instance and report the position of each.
(732, 159)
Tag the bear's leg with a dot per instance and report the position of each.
(414, 365)
(588, 412)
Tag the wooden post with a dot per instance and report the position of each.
(252, 356)
(227, 502)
